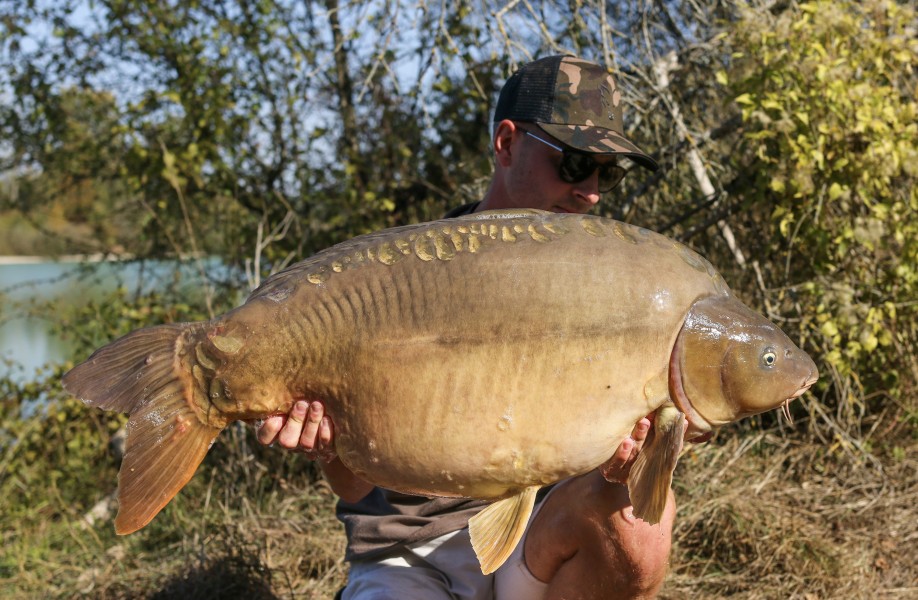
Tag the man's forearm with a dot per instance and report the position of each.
(344, 483)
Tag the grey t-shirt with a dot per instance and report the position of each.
(384, 520)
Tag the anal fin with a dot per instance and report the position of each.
(497, 530)
(652, 473)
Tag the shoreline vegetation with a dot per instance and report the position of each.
(10, 260)
(31, 259)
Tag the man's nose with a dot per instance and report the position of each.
(587, 191)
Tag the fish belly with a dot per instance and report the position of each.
(496, 421)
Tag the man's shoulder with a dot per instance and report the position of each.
(465, 209)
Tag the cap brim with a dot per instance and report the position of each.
(598, 140)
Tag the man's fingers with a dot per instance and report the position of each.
(616, 468)
(326, 444)
(326, 432)
(310, 435)
(289, 436)
(305, 429)
(640, 434)
(267, 430)
(624, 453)
(641, 428)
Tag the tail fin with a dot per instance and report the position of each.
(141, 375)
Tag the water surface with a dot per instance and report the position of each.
(27, 340)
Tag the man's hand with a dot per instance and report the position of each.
(306, 429)
(616, 469)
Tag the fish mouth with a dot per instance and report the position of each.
(785, 406)
(806, 385)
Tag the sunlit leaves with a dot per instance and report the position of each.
(271, 129)
(832, 131)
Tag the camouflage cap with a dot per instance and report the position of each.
(573, 100)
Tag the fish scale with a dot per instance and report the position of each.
(483, 356)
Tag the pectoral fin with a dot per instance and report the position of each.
(652, 473)
(497, 530)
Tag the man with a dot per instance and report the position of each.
(558, 138)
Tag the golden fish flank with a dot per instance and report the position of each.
(436, 348)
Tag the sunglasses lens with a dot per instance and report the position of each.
(576, 166)
(610, 176)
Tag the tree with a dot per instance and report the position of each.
(829, 157)
(263, 130)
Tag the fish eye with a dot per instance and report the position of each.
(769, 357)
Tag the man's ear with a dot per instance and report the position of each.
(503, 140)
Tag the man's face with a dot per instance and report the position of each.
(533, 179)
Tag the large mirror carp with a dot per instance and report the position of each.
(441, 350)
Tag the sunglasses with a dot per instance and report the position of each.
(577, 166)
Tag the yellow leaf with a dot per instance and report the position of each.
(773, 104)
(819, 158)
(745, 99)
(868, 341)
(785, 225)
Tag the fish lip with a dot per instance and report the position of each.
(799, 393)
(785, 406)
(805, 387)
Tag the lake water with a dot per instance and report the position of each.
(26, 340)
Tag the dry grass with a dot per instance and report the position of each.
(760, 516)
(296, 553)
(766, 517)
(252, 523)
